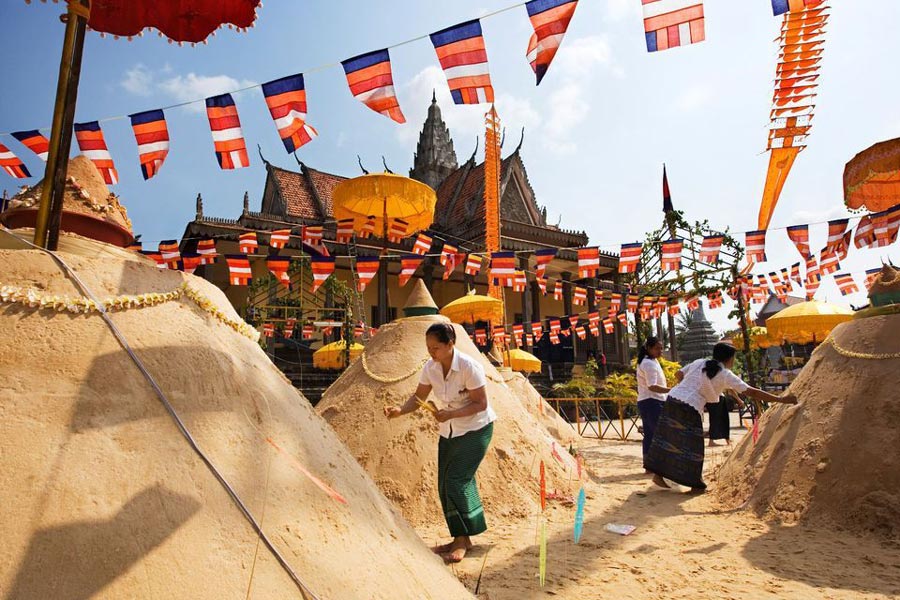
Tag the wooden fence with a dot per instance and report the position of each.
(591, 415)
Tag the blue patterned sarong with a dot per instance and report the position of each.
(677, 449)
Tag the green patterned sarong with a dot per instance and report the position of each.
(458, 460)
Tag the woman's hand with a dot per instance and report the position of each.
(789, 398)
(443, 415)
(392, 412)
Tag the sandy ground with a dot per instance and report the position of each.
(684, 547)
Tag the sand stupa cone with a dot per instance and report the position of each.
(102, 495)
(401, 454)
(834, 457)
(419, 303)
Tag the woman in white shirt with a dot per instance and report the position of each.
(466, 425)
(677, 449)
(652, 389)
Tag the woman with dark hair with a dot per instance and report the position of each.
(652, 389)
(466, 425)
(677, 449)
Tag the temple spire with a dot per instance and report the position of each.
(435, 157)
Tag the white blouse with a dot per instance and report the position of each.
(650, 372)
(698, 390)
(452, 392)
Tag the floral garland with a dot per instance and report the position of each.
(34, 298)
(851, 354)
(381, 379)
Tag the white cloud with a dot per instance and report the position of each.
(138, 80)
(619, 10)
(694, 97)
(817, 216)
(185, 88)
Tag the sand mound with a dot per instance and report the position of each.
(102, 496)
(835, 455)
(401, 454)
(539, 408)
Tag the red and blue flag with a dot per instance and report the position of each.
(371, 82)
(228, 139)
(550, 19)
(463, 57)
(12, 164)
(91, 143)
(152, 137)
(286, 99)
(34, 141)
(672, 23)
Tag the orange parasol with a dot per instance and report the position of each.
(872, 178)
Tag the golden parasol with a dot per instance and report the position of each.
(872, 178)
(520, 360)
(331, 356)
(807, 322)
(473, 308)
(759, 338)
(385, 196)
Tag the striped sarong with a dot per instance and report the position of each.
(458, 460)
(677, 449)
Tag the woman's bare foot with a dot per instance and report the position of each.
(711, 443)
(727, 441)
(441, 548)
(456, 550)
(658, 480)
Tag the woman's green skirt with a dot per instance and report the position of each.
(458, 460)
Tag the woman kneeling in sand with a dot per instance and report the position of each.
(466, 426)
(677, 449)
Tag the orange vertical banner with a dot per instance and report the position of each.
(492, 191)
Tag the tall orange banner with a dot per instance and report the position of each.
(492, 191)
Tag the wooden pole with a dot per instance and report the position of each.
(745, 329)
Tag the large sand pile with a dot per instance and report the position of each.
(401, 454)
(836, 455)
(539, 408)
(103, 497)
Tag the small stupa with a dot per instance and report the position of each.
(699, 339)
(420, 302)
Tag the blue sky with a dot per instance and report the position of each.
(597, 130)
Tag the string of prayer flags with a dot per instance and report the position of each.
(372, 83)
(503, 268)
(692, 302)
(278, 266)
(422, 244)
(812, 268)
(247, 242)
(408, 265)
(91, 143)
(449, 256)
(463, 57)
(554, 338)
(520, 281)
(322, 268)
(190, 262)
(542, 285)
(543, 257)
(152, 137)
(629, 257)
(307, 332)
(34, 141)
(268, 330)
(871, 275)
(846, 284)
(368, 228)
(239, 272)
(312, 236)
(799, 234)
(518, 331)
(598, 296)
(709, 250)
(550, 19)
(499, 335)
(623, 319)
(366, 268)
(632, 303)
(836, 230)
(594, 328)
(671, 254)
(228, 138)
(672, 23)
(207, 250)
(344, 231)
(473, 264)
(715, 299)
(615, 302)
(865, 233)
(795, 274)
(756, 246)
(674, 309)
(588, 262)
(608, 326)
(779, 7)
(812, 286)
(397, 230)
(573, 321)
(828, 263)
(12, 164)
(579, 297)
(537, 330)
(286, 99)
(481, 337)
(580, 332)
(558, 291)
(278, 239)
(168, 249)
(289, 325)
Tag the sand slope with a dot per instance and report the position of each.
(401, 455)
(102, 496)
(836, 455)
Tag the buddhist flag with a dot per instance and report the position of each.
(268, 330)
(846, 284)
(580, 332)
(289, 325)
(667, 196)
(632, 303)
(671, 23)
(228, 139)
(865, 233)
(615, 302)
(709, 250)
(871, 275)
(608, 326)
(558, 290)
(344, 231)
(238, 269)
(422, 244)
(449, 257)
(673, 307)
(366, 268)
(795, 273)
(828, 263)
(135, 246)
(371, 82)
(812, 269)
(397, 230)
(623, 319)
(91, 143)
(279, 265)
(322, 268)
(756, 246)
(693, 303)
(207, 251)
(308, 331)
(12, 164)
(247, 242)
(671, 254)
(629, 257)
(499, 334)
(461, 52)
(715, 299)
(190, 262)
(156, 257)
(368, 228)
(543, 258)
(542, 285)
(836, 231)
(518, 331)
(520, 281)
(278, 239)
(588, 262)
(34, 141)
(799, 234)
(473, 264)
(598, 296)
(168, 249)
(779, 7)
(503, 268)
(152, 138)
(286, 99)
(408, 265)
(550, 19)
(579, 296)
